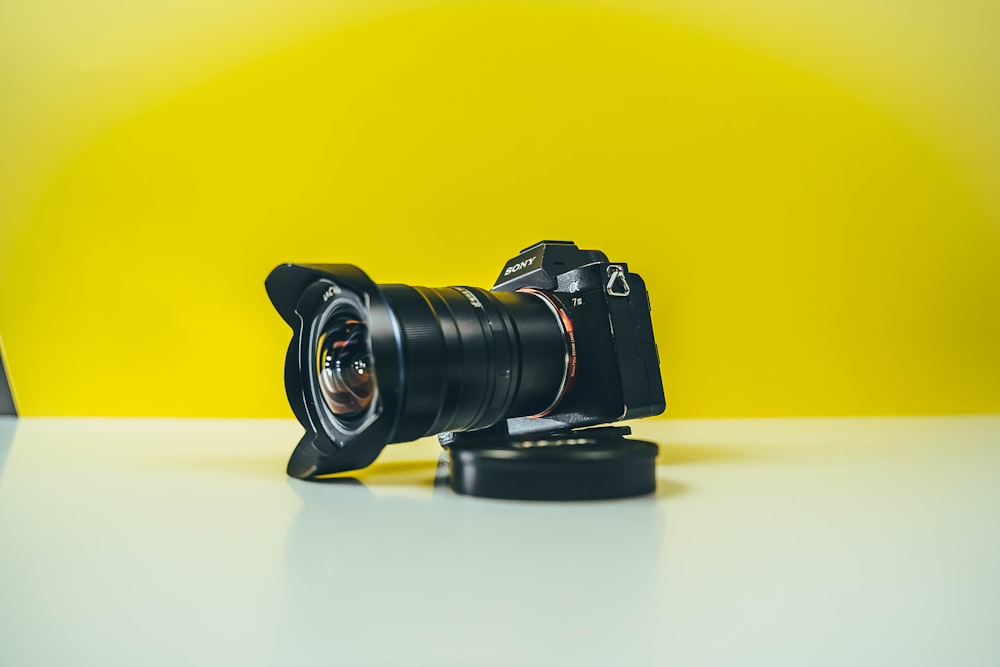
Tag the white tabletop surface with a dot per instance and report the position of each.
(769, 542)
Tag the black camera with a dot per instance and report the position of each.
(508, 377)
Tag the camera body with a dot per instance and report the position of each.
(616, 372)
(563, 340)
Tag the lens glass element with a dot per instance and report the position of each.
(344, 365)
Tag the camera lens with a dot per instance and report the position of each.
(344, 367)
(370, 365)
(471, 358)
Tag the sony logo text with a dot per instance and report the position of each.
(520, 265)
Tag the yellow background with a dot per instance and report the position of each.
(810, 189)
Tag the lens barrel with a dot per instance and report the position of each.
(471, 358)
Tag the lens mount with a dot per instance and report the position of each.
(569, 373)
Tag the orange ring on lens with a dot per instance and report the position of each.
(570, 337)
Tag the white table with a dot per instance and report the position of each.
(769, 542)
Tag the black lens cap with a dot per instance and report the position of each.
(572, 466)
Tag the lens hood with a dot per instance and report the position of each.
(306, 295)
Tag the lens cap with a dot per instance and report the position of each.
(567, 466)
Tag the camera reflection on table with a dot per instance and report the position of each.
(452, 576)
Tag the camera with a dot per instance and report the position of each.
(509, 378)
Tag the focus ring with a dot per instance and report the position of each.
(423, 356)
(422, 337)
